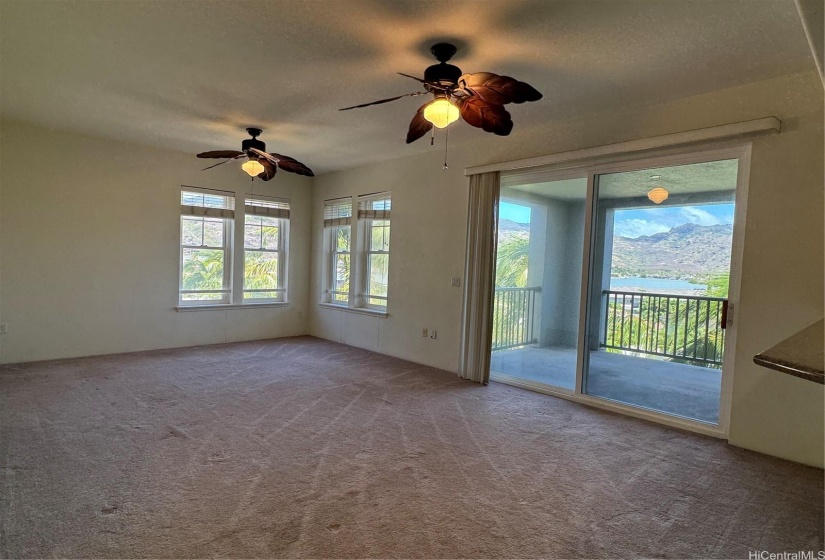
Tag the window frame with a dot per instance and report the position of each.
(365, 217)
(228, 235)
(359, 217)
(234, 248)
(364, 295)
(338, 213)
(332, 265)
(282, 249)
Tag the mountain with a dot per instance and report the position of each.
(506, 228)
(686, 250)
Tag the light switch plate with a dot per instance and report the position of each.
(455, 282)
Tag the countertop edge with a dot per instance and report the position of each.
(790, 369)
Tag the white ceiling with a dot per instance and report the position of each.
(190, 75)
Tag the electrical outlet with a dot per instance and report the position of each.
(4, 328)
(434, 334)
(455, 282)
(425, 333)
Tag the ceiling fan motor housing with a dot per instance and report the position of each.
(443, 73)
(252, 143)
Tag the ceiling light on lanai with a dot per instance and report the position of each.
(478, 98)
(259, 163)
(658, 195)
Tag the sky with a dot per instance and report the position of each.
(637, 222)
(514, 212)
(648, 221)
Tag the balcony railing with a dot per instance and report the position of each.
(513, 317)
(686, 329)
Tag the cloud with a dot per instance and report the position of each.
(694, 215)
(635, 227)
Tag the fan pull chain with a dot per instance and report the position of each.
(432, 136)
(446, 141)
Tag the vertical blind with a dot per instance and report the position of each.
(479, 278)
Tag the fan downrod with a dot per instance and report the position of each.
(442, 73)
(443, 51)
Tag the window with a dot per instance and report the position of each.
(205, 240)
(208, 235)
(357, 264)
(337, 231)
(374, 215)
(266, 225)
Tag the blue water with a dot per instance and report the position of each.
(654, 284)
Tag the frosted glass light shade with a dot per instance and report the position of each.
(441, 112)
(658, 195)
(253, 168)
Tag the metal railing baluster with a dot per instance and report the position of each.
(687, 335)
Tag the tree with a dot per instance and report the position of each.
(686, 330)
(512, 261)
(510, 307)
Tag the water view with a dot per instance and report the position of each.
(656, 285)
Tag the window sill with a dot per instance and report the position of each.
(359, 310)
(186, 308)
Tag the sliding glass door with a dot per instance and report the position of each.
(660, 271)
(538, 289)
(613, 280)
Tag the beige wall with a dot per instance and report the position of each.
(89, 248)
(782, 286)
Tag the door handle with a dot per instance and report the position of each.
(724, 321)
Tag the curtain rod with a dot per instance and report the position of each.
(756, 126)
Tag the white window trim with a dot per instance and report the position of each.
(359, 257)
(363, 296)
(361, 310)
(228, 217)
(234, 253)
(331, 223)
(213, 307)
(333, 253)
(282, 250)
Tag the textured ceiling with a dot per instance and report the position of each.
(190, 76)
(718, 177)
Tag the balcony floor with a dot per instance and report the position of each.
(679, 389)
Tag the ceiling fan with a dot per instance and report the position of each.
(478, 98)
(259, 163)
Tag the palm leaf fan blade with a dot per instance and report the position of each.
(225, 161)
(419, 126)
(498, 90)
(269, 169)
(292, 165)
(488, 117)
(380, 101)
(219, 154)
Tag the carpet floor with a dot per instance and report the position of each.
(307, 448)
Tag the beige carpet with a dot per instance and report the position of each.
(307, 448)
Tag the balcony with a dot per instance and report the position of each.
(684, 329)
(658, 351)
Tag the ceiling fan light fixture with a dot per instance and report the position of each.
(253, 168)
(441, 112)
(658, 195)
